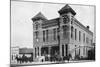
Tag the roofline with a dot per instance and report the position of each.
(83, 26)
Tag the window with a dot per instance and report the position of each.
(47, 35)
(72, 32)
(38, 51)
(65, 33)
(66, 49)
(72, 20)
(75, 34)
(36, 25)
(79, 50)
(84, 37)
(62, 50)
(87, 40)
(79, 35)
(65, 19)
(43, 36)
(37, 34)
(75, 50)
(91, 42)
(35, 52)
(54, 34)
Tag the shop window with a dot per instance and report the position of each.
(62, 50)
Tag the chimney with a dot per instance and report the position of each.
(87, 27)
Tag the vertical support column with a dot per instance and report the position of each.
(68, 50)
(60, 50)
(33, 53)
(49, 51)
(39, 51)
(86, 51)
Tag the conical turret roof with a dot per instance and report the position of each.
(39, 16)
(66, 9)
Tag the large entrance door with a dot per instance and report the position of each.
(44, 51)
(54, 50)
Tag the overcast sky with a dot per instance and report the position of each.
(22, 12)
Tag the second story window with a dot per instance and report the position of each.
(54, 34)
(37, 35)
(65, 31)
(91, 42)
(87, 40)
(72, 32)
(47, 35)
(72, 20)
(75, 34)
(44, 36)
(36, 25)
(79, 35)
(84, 37)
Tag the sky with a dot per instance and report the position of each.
(22, 13)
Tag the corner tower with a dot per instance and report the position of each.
(37, 33)
(66, 15)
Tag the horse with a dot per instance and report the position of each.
(19, 59)
(30, 59)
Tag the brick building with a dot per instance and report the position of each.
(63, 35)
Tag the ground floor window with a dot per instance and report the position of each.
(38, 51)
(79, 50)
(35, 52)
(75, 50)
(66, 49)
(62, 50)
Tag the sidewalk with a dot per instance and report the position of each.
(48, 62)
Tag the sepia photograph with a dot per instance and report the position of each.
(51, 33)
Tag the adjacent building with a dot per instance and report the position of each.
(63, 35)
(14, 53)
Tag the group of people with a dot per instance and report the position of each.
(23, 59)
(56, 57)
